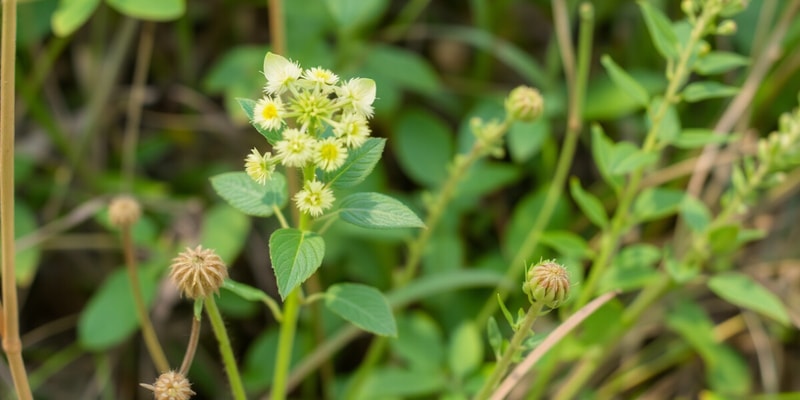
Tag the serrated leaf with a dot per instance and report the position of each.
(698, 91)
(717, 62)
(295, 256)
(359, 164)
(661, 32)
(109, 317)
(151, 10)
(249, 196)
(71, 15)
(743, 291)
(248, 106)
(377, 211)
(591, 206)
(625, 81)
(695, 138)
(362, 305)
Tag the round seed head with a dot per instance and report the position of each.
(548, 283)
(171, 386)
(124, 211)
(198, 272)
(524, 104)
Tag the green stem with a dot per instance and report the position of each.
(191, 347)
(291, 310)
(374, 354)
(556, 189)
(610, 240)
(148, 332)
(514, 346)
(9, 327)
(237, 388)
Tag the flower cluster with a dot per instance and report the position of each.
(320, 118)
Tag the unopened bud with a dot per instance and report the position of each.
(198, 272)
(726, 28)
(524, 104)
(171, 386)
(548, 283)
(124, 211)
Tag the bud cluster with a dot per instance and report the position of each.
(302, 104)
(548, 283)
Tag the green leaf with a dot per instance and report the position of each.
(625, 81)
(109, 317)
(225, 230)
(151, 10)
(359, 164)
(26, 260)
(362, 305)
(567, 244)
(696, 138)
(670, 127)
(419, 341)
(590, 205)
(423, 145)
(655, 203)
(626, 157)
(695, 213)
(396, 383)
(661, 32)
(723, 238)
(71, 14)
(248, 106)
(698, 91)
(244, 291)
(295, 256)
(400, 68)
(465, 352)
(602, 149)
(525, 139)
(352, 14)
(633, 268)
(250, 197)
(377, 211)
(743, 291)
(718, 62)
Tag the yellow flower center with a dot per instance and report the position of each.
(269, 111)
(329, 152)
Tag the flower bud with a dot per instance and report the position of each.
(524, 104)
(726, 28)
(198, 272)
(547, 282)
(171, 386)
(124, 211)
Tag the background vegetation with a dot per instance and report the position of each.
(93, 74)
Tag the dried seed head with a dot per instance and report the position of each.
(547, 282)
(171, 386)
(524, 104)
(124, 211)
(198, 272)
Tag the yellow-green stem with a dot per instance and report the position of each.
(218, 326)
(148, 333)
(554, 192)
(11, 342)
(611, 238)
(514, 346)
(291, 310)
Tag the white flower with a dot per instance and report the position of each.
(295, 149)
(268, 113)
(352, 129)
(258, 167)
(329, 154)
(280, 73)
(314, 199)
(320, 76)
(358, 94)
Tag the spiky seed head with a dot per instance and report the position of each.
(198, 272)
(171, 386)
(124, 211)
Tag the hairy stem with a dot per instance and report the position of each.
(191, 347)
(218, 326)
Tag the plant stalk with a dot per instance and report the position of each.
(514, 346)
(228, 359)
(291, 311)
(12, 345)
(148, 332)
